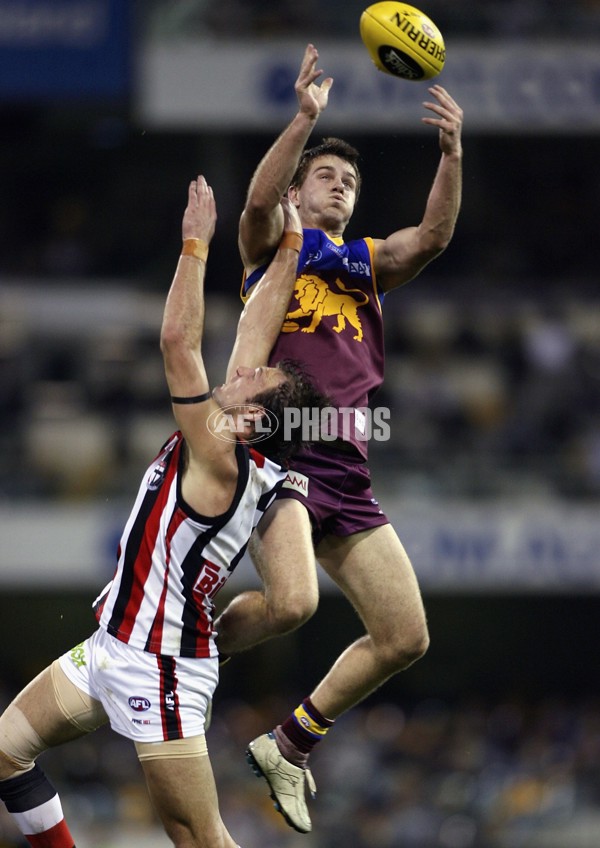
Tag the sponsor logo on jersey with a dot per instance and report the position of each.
(169, 700)
(139, 703)
(360, 269)
(296, 481)
(77, 655)
(210, 579)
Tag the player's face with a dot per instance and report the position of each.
(327, 196)
(246, 384)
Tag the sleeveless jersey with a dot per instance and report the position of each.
(334, 326)
(172, 561)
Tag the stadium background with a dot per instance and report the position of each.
(492, 475)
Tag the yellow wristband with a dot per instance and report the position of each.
(195, 247)
(292, 240)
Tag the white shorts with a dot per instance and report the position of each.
(147, 697)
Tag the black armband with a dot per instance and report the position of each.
(195, 399)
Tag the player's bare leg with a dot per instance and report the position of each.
(375, 574)
(290, 592)
(185, 797)
(49, 711)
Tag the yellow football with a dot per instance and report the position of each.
(402, 41)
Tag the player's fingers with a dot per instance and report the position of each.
(442, 95)
(309, 60)
(311, 54)
(449, 111)
(442, 124)
(312, 77)
(435, 107)
(204, 193)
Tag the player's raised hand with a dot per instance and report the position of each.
(449, 119)
(312, 97)
(200, 215)
(291, 217)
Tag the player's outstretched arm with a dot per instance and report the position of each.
(265, 310)
(181, 336)
(261, 223)
(210, 472)
(405, 253)
(183, 317)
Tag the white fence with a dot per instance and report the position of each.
(515, 86)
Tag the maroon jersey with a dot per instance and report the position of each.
(334, 326)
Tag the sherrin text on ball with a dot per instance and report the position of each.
(402, 41)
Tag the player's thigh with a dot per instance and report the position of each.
(374, 572)
(184, 795)
(282, 549)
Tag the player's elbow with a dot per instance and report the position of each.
(258, 205)
(441, 241)
(170, 339)
(436, 239)
(258, 213)
(433, 245)
(175, 347)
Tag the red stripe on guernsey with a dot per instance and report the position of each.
(153, 643)
(257, 457)
(169, 698)
(138, 553)
(155, 636)
(201, 578)
(56, 837)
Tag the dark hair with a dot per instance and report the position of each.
(297, 391)
(329, 147)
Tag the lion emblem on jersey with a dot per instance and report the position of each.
(317, 300)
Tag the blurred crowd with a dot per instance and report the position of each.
(338, 18)
(488, 397)
(432, 775)
(495, 397)
(493, 378)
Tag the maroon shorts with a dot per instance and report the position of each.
(335, 488)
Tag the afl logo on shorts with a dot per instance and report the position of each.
(157, 475)
(140, 705)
